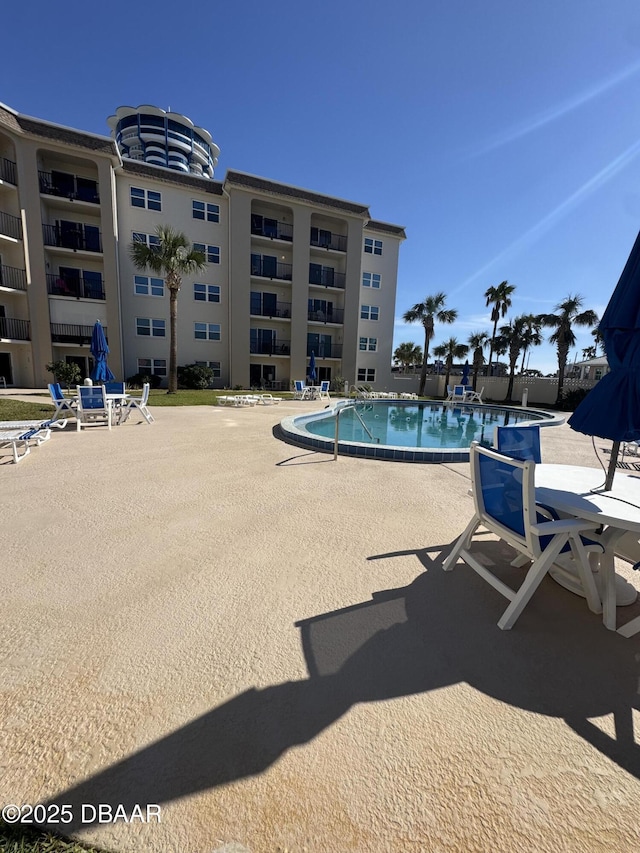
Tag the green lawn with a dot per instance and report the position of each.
(18, 839)
(16, 410)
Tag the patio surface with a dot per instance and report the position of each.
(262, 641)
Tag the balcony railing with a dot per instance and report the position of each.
(334, 315)
(67, 333)
(272, 228)
(326, 277)
(69, 186)
(267, 268)
(17, 330)
(8, 171)
(10, 226)
(280, 309)
(327, 240)
(81, 288)
(78, 238)
(13, 277)
(324, 350)
(277, 347)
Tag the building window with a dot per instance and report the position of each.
(146, 198)
(369, 312)
(366, 374)
(149, 239)
(206, 292)
(372, 247)
(152, 366)
(207, 331)
(368, 344)
(144, 285)
(204, 210)
(371, 279)
(214, 365)
(150, 328)
(211, 253)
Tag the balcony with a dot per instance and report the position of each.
(277, 309)
(16, 330)
(67, 333)
(322, 350)
(326, 276)
(13, 278)
(273, 347)
(262, 226)
(269, 267)
(10, 226)
(8, 171)
(79, 287)
(65, 185)
(333, 315)
(327, 240)
(86, 238)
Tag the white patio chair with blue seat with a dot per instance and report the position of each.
(93, 406)
(139, 403)
(457, 395)
(323, 394)
(505, 505)
(474, 396)
(518, 442)
(301, 391)
(64, 405)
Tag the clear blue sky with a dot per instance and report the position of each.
(503, 135)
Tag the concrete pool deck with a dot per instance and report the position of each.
(262, 641)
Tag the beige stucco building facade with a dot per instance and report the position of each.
(288, 271)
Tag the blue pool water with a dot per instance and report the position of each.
(424, 431)
(423, 424)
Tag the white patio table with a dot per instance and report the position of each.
(118, 401)
(579, 492)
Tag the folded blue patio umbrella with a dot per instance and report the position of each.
(465, 374)
(312, 367)
(100, 350)
(612, 408)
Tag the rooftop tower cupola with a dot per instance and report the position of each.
(162, 138)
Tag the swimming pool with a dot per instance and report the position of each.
(407, 431)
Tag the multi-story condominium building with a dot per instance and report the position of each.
(288, 271)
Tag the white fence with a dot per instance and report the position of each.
(542, 390)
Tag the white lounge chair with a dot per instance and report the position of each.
(505, 504)
(139, 403)
(93, 406)
(18, 434)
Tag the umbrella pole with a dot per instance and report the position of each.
(612, 466)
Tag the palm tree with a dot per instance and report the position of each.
(172, 257)
(427, 313)
(477, 342)
(531, 334)
(563, 336)
(451, 351)
(511, 340)
(598, 341)
(500, 298)
(407, 354)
